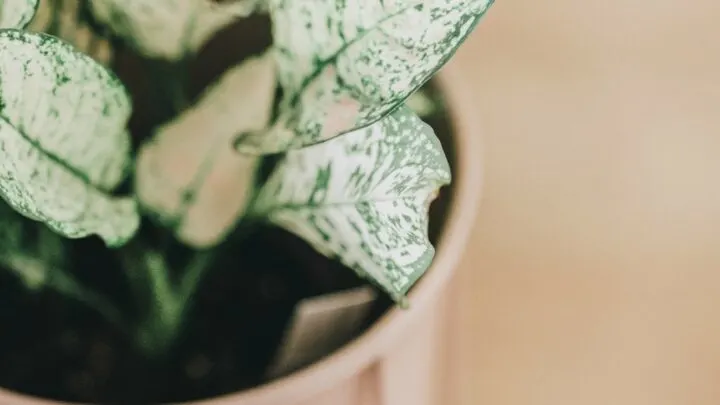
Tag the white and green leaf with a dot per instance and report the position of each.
(345, 64)
(63, 143)
(16, 13)
(364, 198)
(169, 29)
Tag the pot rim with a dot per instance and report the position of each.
(380, 337)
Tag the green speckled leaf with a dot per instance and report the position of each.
(63, 144)
(16, 13)
(169, 29)
(363, 197)
(345, 64)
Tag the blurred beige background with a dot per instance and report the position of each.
(593, 276)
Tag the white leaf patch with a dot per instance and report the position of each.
(344, 64)
(63, 144)
(169, 29)
(363, 198)
(189, 175)
(16, 13)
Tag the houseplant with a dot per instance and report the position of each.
(324, 147)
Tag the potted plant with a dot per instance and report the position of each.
(184, 199)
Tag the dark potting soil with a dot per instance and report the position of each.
(54, 347)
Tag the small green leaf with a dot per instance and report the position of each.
(16, 13)
(169, 29)
(63, 144)
(346, 64)
(364, 197)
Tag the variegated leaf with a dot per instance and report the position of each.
(364, 198)
(345, 64)
(16, 13)
(63, 144)
(188, 175)
(169, 29)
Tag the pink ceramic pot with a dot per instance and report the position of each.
(398, 360)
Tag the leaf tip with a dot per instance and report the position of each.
(402, 302)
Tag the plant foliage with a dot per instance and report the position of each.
(357, 167)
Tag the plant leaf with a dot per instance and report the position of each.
(346, 64)
(189, 175)
(63, 144)
(16, 13)
(169, 29)
(363, 197)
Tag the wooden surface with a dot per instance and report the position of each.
(593, 276)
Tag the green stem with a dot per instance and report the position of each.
(131, 257)
(162, 302)
(167, 314)
(159, 330)
(37, 274)
(43, 266)
(194, 274)
(168, 303)
(159, 277)
(172, 302)
(156, 297)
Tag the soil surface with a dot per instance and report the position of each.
(55, 348)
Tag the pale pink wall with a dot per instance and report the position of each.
(594, 276)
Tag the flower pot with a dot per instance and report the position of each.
(398, 359)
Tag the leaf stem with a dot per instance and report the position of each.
(194, 273)
(162, 302)
(36, 273)
(156, 297)
(159, 330)
(166, 305)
